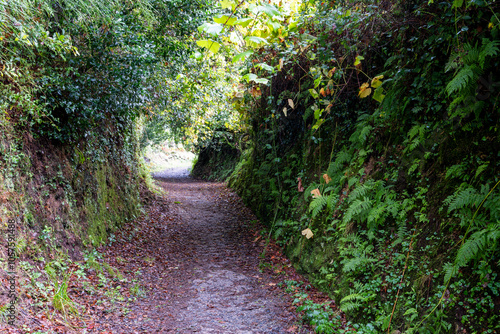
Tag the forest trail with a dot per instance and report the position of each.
(199, 267)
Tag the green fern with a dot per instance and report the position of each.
(357, 263)
(469, 64)
(317, 205)
(361, 191)
(465, 198)
(351, 302)
(358, 209)
(478, 246)
(455, 171)
(464, 80)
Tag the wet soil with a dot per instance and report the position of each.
(196, 258)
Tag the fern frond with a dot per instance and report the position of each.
(467, 75)
(351, 297)
(332, 201)
(317, 205)
(465, 198)
(357, 263)
(455, 171)
(470, 249)
(376, 214)
(356, 208)
(490, 48)
(350, 306)
(450, 270)
(453, 62)
(361, 190)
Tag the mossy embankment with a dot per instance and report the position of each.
(80, 192)
(390, 203)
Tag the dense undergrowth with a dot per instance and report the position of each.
(374, 156)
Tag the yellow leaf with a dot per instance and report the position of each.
(290, 102)
(490, 25)
(285, 112)
(376, 81)
(308, 233)
(315, 193)
(358, 60)
(326, 178)
(364, 91)
(332, 72)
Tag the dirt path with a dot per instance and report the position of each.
(198, 264)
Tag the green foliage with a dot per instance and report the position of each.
(470, 64)
(405, 173)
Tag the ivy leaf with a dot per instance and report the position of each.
(225, 19)
(378, 94)
(376, 81)
(242, 56)
(244, 22)
(213, 29)
(358, 60)
(209, 44)
(317, 82)
(364, 90)
(314, 93)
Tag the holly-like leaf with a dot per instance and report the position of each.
(364, 90)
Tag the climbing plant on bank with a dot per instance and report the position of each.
(374, 160)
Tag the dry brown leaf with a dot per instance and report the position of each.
(326, 178)
(307, 233)
(315, 193)
(301, 187)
